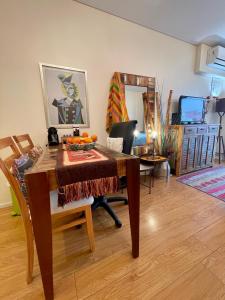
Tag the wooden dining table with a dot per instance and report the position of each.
(41, 179)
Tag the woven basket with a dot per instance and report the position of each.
(77, 147)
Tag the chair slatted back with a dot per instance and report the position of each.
(9, 143)
(19, 139)
(5, 166)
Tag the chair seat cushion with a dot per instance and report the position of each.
(75, 204)
(115, 144)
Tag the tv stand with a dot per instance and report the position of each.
(191, 147)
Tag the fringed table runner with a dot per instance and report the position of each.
(82, 174)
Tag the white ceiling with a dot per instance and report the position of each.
(193, 21)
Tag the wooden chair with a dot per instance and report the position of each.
(144, 168)
(19, 139)
(82, 207)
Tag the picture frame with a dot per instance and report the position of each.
(65, 96)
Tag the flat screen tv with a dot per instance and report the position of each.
(191, 110)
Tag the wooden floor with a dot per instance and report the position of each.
(182, 252)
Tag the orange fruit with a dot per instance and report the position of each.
(69, 140)
(76, 140)
(94, 137)
(84, 134)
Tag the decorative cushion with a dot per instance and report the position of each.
(115, 144)
(35, 152)
(19, 167)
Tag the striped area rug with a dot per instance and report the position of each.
(210, 181)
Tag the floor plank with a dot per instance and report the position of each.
(182, 252)
(214, 235)
(198, 283)
(139, 278)
(215, 263)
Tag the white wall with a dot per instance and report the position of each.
(66, 33)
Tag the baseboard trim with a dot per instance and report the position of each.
(7, 204)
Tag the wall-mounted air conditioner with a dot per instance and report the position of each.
(216, 57)
(210, 61)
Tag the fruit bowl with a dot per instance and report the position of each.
(77, 147)
(83, 142)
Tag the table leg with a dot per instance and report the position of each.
(133, 189)
(41, 219)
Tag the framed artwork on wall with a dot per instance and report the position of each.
(65, 96)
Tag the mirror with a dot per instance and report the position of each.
(139, 92)
(134, 103)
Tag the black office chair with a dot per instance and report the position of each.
(126, 131)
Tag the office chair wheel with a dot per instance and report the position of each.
(118, 224)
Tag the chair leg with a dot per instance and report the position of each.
(30, 254)
(117, 199)
(112, 214)
(96, 204)
(150, 182)
(90, 231)
(167, 172)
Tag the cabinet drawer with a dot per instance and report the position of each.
(202, 130)
(190, 130)
(213, 129)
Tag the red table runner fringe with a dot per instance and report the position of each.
(85, 189)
